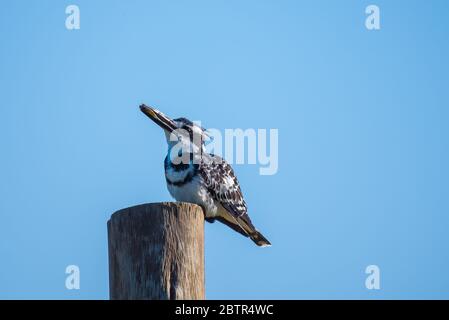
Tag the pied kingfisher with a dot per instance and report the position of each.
(195, 176)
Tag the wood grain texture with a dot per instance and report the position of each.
(156, 251)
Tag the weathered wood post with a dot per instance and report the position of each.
(156, 251)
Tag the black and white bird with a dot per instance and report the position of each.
(195, 176)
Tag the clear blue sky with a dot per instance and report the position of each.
(363, 128)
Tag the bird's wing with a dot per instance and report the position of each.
(222, 184)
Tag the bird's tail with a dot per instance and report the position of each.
(259, 239)
(244, 226)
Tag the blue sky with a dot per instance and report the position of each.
(363, 139)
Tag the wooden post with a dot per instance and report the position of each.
(156, 251)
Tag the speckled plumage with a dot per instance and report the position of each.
(212, 184)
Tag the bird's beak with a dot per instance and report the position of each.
(159, 118)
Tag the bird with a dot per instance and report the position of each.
(196, 176)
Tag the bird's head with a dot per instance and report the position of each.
(177, 130)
